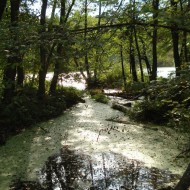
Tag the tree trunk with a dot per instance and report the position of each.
(59, 51)
(43, 64)
(145, 58)
(139, 54)
(20, 76)
(56, 71)
(123, 68)
(85, 40)
(132, 56)
(184, 57)
(131, 42)
(175, 39)
(9, 74)
(155, 5)
(3, 4)
(97, 49)
(184, 182)
(63, 19)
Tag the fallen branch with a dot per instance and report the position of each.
(183, 152)
(106, 130)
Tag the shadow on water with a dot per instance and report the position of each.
(72, 170)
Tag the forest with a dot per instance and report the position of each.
(108, 44)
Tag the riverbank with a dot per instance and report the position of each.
(87, 127)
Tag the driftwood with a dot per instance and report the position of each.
(120, 107)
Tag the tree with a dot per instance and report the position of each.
(184, 182)
(131, 41)
(43, 52)
(86, 61)
(155, 5)
(175, 37)
(2, 7)
(61, 50)
(9, 73)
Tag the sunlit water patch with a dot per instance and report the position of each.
(73, 170)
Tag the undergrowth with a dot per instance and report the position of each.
(98, 96)
(26, 109)
(166, 102)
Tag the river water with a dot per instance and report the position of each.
(75, 79)
(91, 146)
(165, 72)
(100, 147)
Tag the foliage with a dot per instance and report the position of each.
(98, 96)
(71, 95)
(166, 101)
(151, 111)
(101, 98)
(112, 78)
(28, 109)
(135, 87)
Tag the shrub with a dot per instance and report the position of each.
(25, 109)
(151, 111)
(101, 98)
(71, 95)
(166, 101)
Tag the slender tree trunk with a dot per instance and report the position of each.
(43, 64)
(131, 42)
(97, 50)
(175, 39)
(184, 182)
(59, 51)
(9, 74)
(53, 11)
(80, 69)
(123, 68)
(57, 68)
(56, 71)
(20, 76)
(155, 5)
(139, 54)
(184, 50)
(3, 4)
(132, 56)
(85, 40)
(184, 57)
(145, 58)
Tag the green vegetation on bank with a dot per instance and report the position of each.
(26, 109)
(99, 96)
(166, 101)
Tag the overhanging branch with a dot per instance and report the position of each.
(121, 25)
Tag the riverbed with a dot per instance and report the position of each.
(90, 128)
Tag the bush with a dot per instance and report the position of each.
(101, 98)
(166, 101)
(25, 109)
(71, 95)
(151, 111)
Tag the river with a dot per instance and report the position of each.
(165, 72)
(94, 136)
(75, 79)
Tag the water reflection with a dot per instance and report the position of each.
(71, 170)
